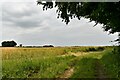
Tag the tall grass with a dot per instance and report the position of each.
(49, 62)
(38, 68)
(19, 53)
(34, 62)
(22, 53)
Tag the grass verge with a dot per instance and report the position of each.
(111, 63)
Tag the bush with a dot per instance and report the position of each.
(91, 49)
(100, 48)
(95, 49)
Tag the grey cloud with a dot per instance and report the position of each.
(28, 16)
(25, 18)
(28, 24)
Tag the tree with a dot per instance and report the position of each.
(48, 46)
(9, 44)
(106, 13)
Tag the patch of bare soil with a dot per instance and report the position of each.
(79, 53)
(67, 73)
(74, 54)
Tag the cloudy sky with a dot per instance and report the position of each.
(27, 24)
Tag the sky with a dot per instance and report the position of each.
(26, 23)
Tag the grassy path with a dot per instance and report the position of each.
(87, 67)
(99, 70)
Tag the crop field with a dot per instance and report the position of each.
(59, 62)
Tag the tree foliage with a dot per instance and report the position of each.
(9, 43)
(106, 13)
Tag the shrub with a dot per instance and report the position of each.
(91, 49)
(100, 48)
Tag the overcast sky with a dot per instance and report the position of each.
(26, 23)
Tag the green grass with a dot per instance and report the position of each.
(41, 68)
(50, 62)
(34, 62)
(84, 68)
(85, 65)
(111, 63)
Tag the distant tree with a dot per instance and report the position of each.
(48, 46)
(106, 13)
(9, 44)
(20, 45)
